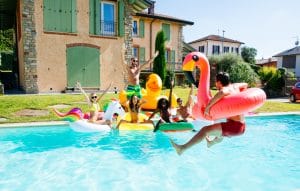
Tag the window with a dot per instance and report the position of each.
(138, 28)
(134, 28)
(107, 18)
(216, 49)
(139, 52)
(237, 50)
(231, 49)
(170, 59)
(226, 49)
(201, 49)
(59, 15)
(289, 62)
(166, 29)
(135, 52)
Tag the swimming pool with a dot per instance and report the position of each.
(266, 157)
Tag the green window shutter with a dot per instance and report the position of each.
(74, 16)
(92, 17)
(142, 54)
(121, 25)
(98, 16)
(64, 16)
(141, 28)
(60, 15)
(166, 29)
(57, 15)
(46, 14)
(173, 56)
(95, 16)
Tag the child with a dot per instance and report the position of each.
(164, 109)
(234, 125)
(92, 101)
(134, 107)
(185, 111)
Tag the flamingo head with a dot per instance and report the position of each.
(192, 60)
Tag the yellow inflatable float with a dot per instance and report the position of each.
(135, 126)
(151, 94)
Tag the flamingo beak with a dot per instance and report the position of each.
(188, 65)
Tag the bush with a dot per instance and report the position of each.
(273, 80)
(234, 65)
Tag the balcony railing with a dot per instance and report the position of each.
(171, 66)
(108, 28)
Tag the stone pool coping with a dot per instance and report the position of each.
(47, 123)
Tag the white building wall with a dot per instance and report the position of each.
(279, 62)
(297, 69)
(208, 46)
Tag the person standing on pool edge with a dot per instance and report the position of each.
(134, 70)
(234, 125)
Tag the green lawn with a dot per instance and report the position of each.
(11, 104)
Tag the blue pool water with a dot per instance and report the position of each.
(266, 157)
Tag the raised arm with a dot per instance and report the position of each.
(105, 91)
(214, 100)
(78, 85)
(149, 61)
(152, 115)
(171, 92)
(190, 98)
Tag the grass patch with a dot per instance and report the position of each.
(14, 103)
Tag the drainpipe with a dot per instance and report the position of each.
(151, 41)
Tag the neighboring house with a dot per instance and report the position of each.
(270, 62)
(60, 42)
(214, 45)
(145, 27)
(289, 59)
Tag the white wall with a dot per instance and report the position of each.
(208, 44)
(297, 69)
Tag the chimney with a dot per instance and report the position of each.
(151, 8)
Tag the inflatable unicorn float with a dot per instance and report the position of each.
(78, 120)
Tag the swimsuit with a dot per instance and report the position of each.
(133, 90)
(232, 128)
(95, 107)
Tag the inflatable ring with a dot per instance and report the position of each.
(135, 126)
(176, 126)
(236, 104)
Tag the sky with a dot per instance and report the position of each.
(269, 26)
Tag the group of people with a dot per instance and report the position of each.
(234, 125)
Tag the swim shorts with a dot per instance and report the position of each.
(232, 128)
(133, 90)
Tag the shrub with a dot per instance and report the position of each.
(234, 65)
(273, 80)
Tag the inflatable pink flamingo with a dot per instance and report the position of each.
(244, 101)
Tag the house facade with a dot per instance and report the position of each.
(60, 42)
(289, 59)
(214, 45)
(145, 27)
(269, 62)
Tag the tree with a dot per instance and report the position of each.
(159, 66)
(6, 40)
(248, 54)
